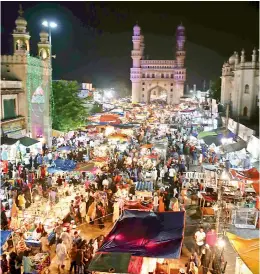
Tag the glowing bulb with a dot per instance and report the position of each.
(45, 23)
(53, 25)
(221, 243)
(37, 198)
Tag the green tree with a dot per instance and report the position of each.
(215, 89)
(69, 112)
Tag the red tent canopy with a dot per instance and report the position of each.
(250, 174)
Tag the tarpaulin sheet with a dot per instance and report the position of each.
(137, 206)
(64, 165)
(248, 251)
(250, 174)
(105, 262)
(147, 234)
(5, 234)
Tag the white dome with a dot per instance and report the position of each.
(232, 59)
(180, 27)
(137, 28)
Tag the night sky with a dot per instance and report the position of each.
(93, 41)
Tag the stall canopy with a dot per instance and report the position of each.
(147, 234)
(27, 141)
(117, 262)
(251, 174)
(8, 141)
(248, 251)
(5, 234)
(235, 147)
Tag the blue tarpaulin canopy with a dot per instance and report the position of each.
(65, 148)
(62, 165)
(5, 234)
(147, 234)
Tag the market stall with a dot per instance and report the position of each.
(41, 263)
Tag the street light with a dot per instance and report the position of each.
(50, 25)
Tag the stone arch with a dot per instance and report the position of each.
(157, 92)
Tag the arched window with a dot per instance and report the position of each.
(246, 88)
(245, 110)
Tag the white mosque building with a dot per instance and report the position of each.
(240, 84)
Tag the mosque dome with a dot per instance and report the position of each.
(44, 34)
(232, 59)
(20, 21)
(137, 28)
(180, 27)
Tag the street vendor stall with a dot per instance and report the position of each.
(41, 263)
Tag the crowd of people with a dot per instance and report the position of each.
(105, 193)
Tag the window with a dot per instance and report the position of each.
(143, 83)
(143, 76)
(245, 111)
(162, 76)
(9, 108)
(167, 75)
(171, 75)
(153, 75)
(171, 89)
(246, 88)
(143, 89)
(143, 95)
(148, 76)
(171, 84)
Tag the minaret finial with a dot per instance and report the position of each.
(20, 11)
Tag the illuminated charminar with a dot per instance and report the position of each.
(155, 78)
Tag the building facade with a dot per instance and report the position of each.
(240, 84)
(26, 86)
(161, 79)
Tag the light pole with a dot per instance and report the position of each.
(50, 25)
(223, 177)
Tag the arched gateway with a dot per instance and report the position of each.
(166, 76)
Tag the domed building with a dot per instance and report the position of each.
(26, 86)
(240, 84)
(157, 80)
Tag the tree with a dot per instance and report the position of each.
(215, 89)
(69, 112)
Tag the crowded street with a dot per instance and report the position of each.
(60, 206)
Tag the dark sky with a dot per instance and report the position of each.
(93, 40)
